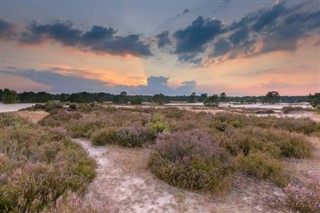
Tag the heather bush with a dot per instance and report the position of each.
(262, 166)
(84, 128)
(304, 198)
(129, 136)
(38, 165)
(191, 160)
(299, 125)
(277, 143)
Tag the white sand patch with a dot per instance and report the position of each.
(13, 107)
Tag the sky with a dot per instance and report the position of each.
(240, 47)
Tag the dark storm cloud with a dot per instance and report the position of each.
(239, 35)
(98, 39)
(60, 32)
(221, 47)
(193, 38)
(278, 28)
(266, 17)
(163, 39)
(7, 30)
(98, 33)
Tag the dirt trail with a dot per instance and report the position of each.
(123, 181)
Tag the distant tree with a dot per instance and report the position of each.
(64, 97)
(314, 100)
(203, 96)
(272, 97)
(9, 96)
(137, 100)
(192, 98)
(212, 100)
(1, 95)
(123, 93)
(159, 99)
(223, 97)
(121, 98)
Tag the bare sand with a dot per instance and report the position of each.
(33, 116)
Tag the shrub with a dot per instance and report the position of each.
(38, 165)
(84, 128)
(288, 109)
(191, 160)
(136, 136)
(158, 124)
(304, 198)
(262, 166)
(277, 143)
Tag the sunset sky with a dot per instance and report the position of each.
(241, 47)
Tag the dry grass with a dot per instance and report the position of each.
(33, 116)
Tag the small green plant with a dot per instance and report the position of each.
(158, 124)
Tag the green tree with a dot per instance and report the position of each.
(159, 99)
(272, 97)
(9, 96)
(223, 97)
(314, 100)
(122, 98)
(212, 100)
(137, 100)
(192, 98)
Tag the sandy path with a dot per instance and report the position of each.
(123, 181)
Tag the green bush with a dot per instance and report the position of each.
(262, 166)
(84, 129)
(132, 136)
(277, 143)
(191, 160)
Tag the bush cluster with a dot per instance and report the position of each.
(132, 136)
(191, 160)
(38, 165)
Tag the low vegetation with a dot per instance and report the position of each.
(38, 165)
(194, 151)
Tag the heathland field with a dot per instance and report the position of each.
(99, 158)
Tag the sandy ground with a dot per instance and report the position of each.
(33, 116)
(124, 181)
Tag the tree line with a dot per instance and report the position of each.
(10, 96)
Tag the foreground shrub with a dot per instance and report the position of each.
(191, 160)
(38, 165)
(136, 136)
(305, 198)
(262, 166)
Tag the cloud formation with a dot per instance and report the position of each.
(52, 81)
(7, 30)
(193, 38)
(163, 39)
(99, 39)
(278, 28)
